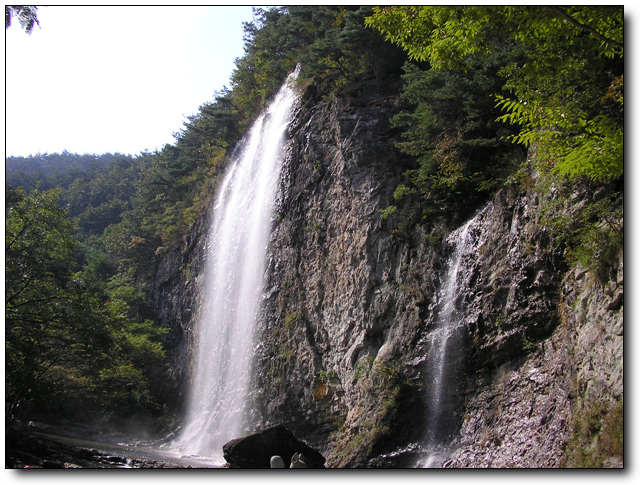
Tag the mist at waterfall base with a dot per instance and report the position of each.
(243, 211)
(446, 342)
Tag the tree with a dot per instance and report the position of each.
(27, 16)
(449, 126)
(330, 43)
(39, 292)
(67, 346)
(567, 92)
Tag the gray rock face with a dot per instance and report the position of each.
(175, 295)
(339, 289)
(524, 413)
(349, 311)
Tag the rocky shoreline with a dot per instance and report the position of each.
(36, 449)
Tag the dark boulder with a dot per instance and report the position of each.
(256, 450)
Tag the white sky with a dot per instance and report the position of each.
(115, 79)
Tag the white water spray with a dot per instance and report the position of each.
(237, 248)
(445, 340)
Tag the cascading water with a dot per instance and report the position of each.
(236, 254)
(445, 341)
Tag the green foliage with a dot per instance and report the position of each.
(64, 341)
(441, 35)
(50, 170)
(388, 211)
(175, 187)
(590, 234)
(597, 434)
(383, 383)
(123, 384)
(41, 299)
(449, 128)
(529, 345)
(268, 60)
(363, 367)
(329, 42)
(343, 49)
(566, 92)
(291, 319)
(326, 376)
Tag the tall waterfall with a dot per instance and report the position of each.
(237, 248)
(446, 350)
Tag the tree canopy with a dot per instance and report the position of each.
(565, 93)
(67, 341)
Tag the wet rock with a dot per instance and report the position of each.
(256, 450)
(25, 449)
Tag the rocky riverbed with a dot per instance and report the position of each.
(44, 447)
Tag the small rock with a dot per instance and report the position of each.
(277, 462)
(614, 462)
(298, 461)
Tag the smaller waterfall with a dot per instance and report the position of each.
(446, 351)
(217, 405)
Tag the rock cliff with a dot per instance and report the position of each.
(349, 310)
(175, 296)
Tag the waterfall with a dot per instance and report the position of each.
(446, 351)
(217, 404)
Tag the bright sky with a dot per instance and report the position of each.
(115, 79)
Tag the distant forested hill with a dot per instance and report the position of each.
(52, 169)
